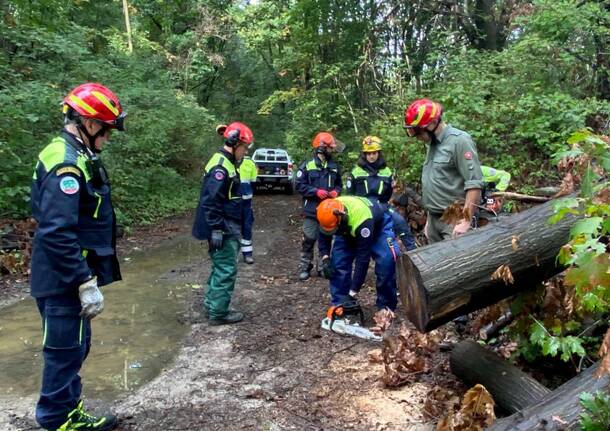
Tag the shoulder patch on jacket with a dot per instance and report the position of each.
(69, 185)
(68, 170)
(219, 175)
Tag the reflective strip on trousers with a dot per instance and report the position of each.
(246, 245)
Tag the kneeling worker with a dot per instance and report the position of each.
(362, 230)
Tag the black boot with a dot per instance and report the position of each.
(227, 319)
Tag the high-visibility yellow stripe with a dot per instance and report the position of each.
(106, 102)
(434, 109)
(420, 114)
(80, 102)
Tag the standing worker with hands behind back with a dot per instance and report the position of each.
(451, 171)
(219, 220)
(74, 251)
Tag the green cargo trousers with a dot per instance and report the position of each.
(221, 281)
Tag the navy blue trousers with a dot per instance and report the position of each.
(66, 344)
(247, 221)
(342, 258)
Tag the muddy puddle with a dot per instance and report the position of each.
(135, 337)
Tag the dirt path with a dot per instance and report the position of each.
(276, 370)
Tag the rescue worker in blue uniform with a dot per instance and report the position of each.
(74, 251)
(362, 229)
(247, 176)
(317, 180)
(372, 178)
(219, 221)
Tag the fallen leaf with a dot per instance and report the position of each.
(604, 354)
(375, 356)
(514, 242)
(503, 273)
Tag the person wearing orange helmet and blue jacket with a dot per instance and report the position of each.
(74, 251)
(316, 180)
(218, 220)
(362, 230)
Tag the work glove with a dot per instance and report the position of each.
(333, 194)
(215, 241)
(321, 194)
(91, 299)
(327, 268)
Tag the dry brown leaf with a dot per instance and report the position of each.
(514, 242)
(503, 273)
(375, 356)
(439, 401)
(446, 424)
(567, 186)
(604, 354)
(552, 296)
(454, 213)
(507, 349)
(478, 407)
(406, 355)
(383, 319)
(476, 412)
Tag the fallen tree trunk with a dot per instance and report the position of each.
(493, 327)
(558, 410)
(511, 388)
(451, 278)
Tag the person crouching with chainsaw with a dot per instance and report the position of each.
(362, 230)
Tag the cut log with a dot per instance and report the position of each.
(547, 191)
(559, 410)
(520, 197)
(493, 327)
(448, 279)
(511, 388)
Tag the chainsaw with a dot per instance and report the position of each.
(339, 320)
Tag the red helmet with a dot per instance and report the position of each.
(421, 113)
(235, 132)
(97, 102)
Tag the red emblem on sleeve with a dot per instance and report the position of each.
(468, 155)
(219, 175)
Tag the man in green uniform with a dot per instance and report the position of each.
(219, 221)
(451, 171)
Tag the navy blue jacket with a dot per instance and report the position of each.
(372, 181)
(362, 243)
(314, 175)
(220, 201)
(75, 237)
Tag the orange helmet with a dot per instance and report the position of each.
(329, 215)
(421, 113)
(235, 133)
(324, 139)
(97, 102)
